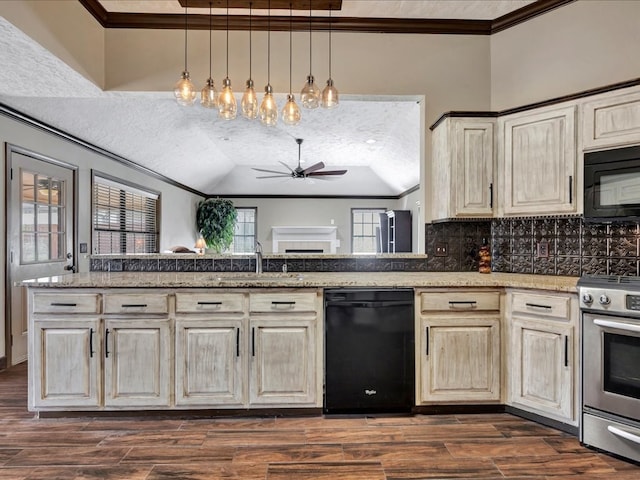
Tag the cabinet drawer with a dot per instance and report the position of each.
(209, 302)
(459, 301)
(540, 304)
(136, 303)
(66, 303)
(283, 302)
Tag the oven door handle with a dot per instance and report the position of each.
(624, 434)
(617, 325)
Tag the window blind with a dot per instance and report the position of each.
(124, 218)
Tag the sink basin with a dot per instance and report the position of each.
(257, 277)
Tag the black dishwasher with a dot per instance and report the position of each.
(369, 351)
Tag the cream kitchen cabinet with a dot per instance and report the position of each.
(211, 349)
(538, 162)
(463, 168)
(458, 350)
(542, 354)
(286, 345)
(64, 343)
(611, 120)
(137, 350)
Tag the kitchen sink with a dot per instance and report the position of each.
(258, 277)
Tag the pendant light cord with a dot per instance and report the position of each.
(310, 28)
(185, 36)
(329, 40)
(268, 43)
(227, 38)
(290, 44)
(210, 49)
(250, 30)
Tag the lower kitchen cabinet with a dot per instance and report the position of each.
(283, 361)
(65, 363)
(137, 362)
(210, 362)
(542, 354)
(459, 347)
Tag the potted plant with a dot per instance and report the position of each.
(216, 220)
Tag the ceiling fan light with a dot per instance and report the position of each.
(268, 108)
(209, 95)
(184, 91)
(330, 95)
(310, 94)
(249, 102)
(291, 112)
(227, 106)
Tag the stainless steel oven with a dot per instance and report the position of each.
(611, 364)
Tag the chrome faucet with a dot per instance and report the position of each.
(258, 257)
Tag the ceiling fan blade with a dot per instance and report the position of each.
(284, 175)
(312, 168)
(287, 166)
(327, 172)
(271, 171)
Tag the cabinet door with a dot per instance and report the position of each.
(539, 163)
(283, 362)
(66, 363)
(460, 359)
(542, 368)
(210, 357)
(137, 362)
(611, 121)
(473, 174)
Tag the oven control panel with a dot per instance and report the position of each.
(610, 300)
(633, 302)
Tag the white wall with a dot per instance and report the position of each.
(579, 46)
(319, 212)
(177, 222)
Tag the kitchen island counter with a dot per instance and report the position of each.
(306, 279)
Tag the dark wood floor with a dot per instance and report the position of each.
(484, 447)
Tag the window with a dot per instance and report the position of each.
(244, 238)
(124, 218)
(365, 223)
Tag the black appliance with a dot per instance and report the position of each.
(394, 233)
(612, 185)
(369, 351)
(610, 417)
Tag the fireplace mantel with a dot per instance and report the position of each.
(310, 236)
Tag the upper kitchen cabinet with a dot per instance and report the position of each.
(463, 157)
(538, 162)
(611, 120)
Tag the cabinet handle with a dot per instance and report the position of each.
(491, 195)
(237, 341)
(106, 343)
(210, 303)
(289, 304)
(566, 350)
(91, 343)
(62, 304)
(426, 331)
(537, 305)
(133, 305)
(458, 303)
(570, 188)
(253, 342)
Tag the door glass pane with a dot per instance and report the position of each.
(28, 248)
(56, 192)
(42, 247)
(28, 218)
(58, 247)
(43, 218)
(621, 360)
(43, 186)
(28, 187)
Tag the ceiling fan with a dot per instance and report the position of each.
(314, 170)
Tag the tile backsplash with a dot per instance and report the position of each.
(546, 246)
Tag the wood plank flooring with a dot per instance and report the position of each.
(421, 447)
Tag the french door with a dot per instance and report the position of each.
(40, 232)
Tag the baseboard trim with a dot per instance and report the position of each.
(457, 409)
(185, 414)
(558, 425)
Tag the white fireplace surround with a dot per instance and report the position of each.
(305, 237)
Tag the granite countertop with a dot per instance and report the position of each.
(311, 279)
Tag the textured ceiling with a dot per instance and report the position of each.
(378, 140)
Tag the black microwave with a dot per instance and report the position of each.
(612, 185)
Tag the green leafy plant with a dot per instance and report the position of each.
(216, 220)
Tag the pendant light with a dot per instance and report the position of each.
(249, 99)
(184, 91)
(209, 94)
(330, 92)
(290, 111)
(227, 106)
(268, 108)
(310, 94)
